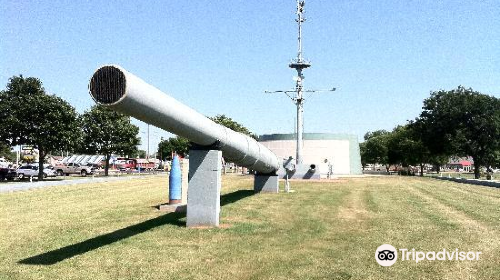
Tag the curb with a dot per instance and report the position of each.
(487, 183)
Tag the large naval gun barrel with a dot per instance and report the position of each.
(118, 89)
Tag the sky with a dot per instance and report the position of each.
(218, 57)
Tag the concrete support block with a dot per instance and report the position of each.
(203, 207)
(266, 183)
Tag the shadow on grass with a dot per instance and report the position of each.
(58, 255)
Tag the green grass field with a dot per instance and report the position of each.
(325, 230)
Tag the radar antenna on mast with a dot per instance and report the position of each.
(299, 64)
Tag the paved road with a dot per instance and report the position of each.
(22, 186)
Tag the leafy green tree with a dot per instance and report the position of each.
(376, 133)
(141, 154)
(230, 123)
(462, 122)
(108, 132)
(374, 149)
(405, 148)
(422, 134)
(179, 145)
(7, 153)
(29, 116)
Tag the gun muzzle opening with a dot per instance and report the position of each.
(107, 85)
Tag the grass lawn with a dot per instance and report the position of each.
(325, 230)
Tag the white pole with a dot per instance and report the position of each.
(134, 97)
(18, 156)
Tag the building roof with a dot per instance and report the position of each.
(57, 157)
(464, 161)
(308, 136)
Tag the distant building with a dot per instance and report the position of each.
(83, 159)
(338, 153)
(29, 154)
(54, 160)
(465, 164)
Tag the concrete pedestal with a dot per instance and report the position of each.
(203, 207)
(266, 183)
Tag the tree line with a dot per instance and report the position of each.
(459, 122)
(31, 116)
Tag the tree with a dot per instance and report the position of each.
(462, 122)
(141, 154)
(108, 132)
(29, 116)
(179, 145)
(374, 148)
(376, 133)
(405, 148)
(231, 124)
(6, 152)
(422, 134)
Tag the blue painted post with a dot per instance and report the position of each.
(175, 193)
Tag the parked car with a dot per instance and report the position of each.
(7, 173)
(27, 171)
(74, 168)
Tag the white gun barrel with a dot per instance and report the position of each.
(116, 88)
